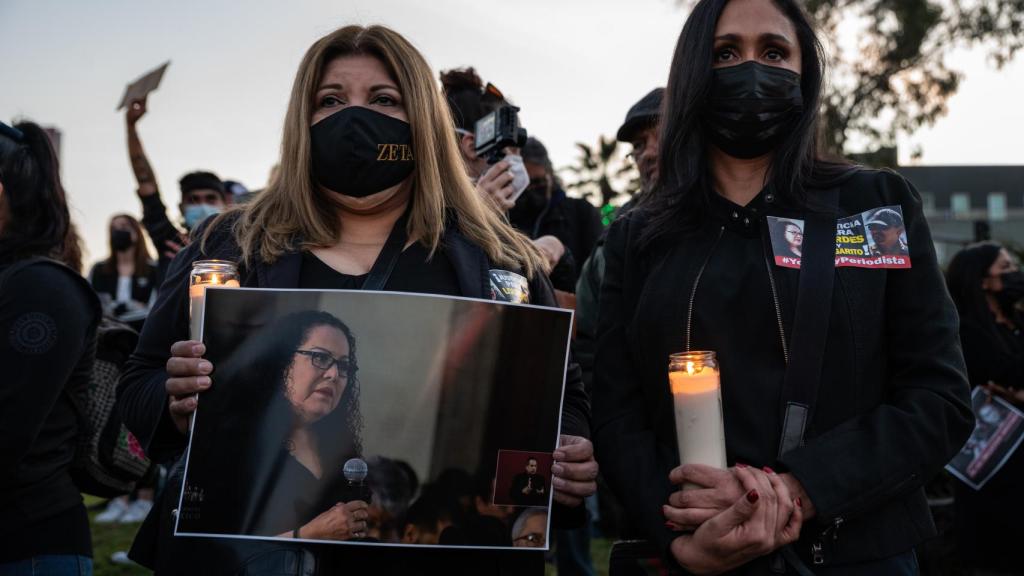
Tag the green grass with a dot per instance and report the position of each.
(109, 538)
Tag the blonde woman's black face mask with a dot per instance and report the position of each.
(358, 152)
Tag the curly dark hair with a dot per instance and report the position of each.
(255, 419)
(274, 347)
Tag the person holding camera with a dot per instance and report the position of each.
(494, 163)
(501, 181)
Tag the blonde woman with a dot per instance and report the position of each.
(367, 156)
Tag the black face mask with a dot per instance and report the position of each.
(529, 205)
(120, 240)
(1012, 292)
(751, 107)
(358, 152)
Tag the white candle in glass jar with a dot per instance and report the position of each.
(207, 273)
(697, 396)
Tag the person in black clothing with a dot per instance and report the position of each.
(48, 319)
(127, 280)
(202, 195)
(986, 284)
(690, 269)
(361, 94)
(528, 487)
(564, 228)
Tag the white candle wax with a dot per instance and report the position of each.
(698, 407)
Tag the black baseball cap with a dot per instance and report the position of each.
(641, 115)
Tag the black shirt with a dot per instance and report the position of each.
(538, 496)
(734, 315)
(413, 273)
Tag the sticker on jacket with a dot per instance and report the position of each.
(875, 238)
(509, 287)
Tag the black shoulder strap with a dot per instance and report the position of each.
(388, 256)
(810, 324)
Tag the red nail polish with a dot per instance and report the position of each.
(768, 470)
(752, 496)
(739, 465)
(799, 502)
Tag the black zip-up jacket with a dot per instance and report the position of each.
(142, 400)
(48, 319)
(893, 403)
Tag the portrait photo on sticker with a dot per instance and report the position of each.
(886, 235)
(787, 237)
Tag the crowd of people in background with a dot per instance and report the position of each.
(685, 266)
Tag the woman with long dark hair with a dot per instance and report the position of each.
(986, 284)
(833, 482)
(126, 280)
(48, 319)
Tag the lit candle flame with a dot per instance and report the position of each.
(689, 368)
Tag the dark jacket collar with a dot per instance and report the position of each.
(470, 263)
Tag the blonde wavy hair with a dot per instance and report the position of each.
(292, 210)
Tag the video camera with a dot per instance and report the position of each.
(497, 131)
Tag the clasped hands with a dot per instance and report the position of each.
(732, 516)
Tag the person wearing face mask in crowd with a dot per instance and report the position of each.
(48, 320)
(843, 388)
(987, 285)
(127, 280)
(504, 182)
(367, 161)
(202, 195)
(564, 228)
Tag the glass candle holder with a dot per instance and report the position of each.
(697, 395)
(207, 273)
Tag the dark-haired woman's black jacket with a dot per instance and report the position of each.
(142, 400)
(48, 319)
(893, 404)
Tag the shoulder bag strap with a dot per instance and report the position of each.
(810, 324)
(388, 257)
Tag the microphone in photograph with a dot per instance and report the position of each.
(356, 486)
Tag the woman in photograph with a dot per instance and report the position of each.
(986, 284)
(291, 416)
(368, 159)
(692, 270)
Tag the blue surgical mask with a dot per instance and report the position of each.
(196, 213)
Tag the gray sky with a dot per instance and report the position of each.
(574, 66)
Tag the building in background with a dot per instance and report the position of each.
(965, 204)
